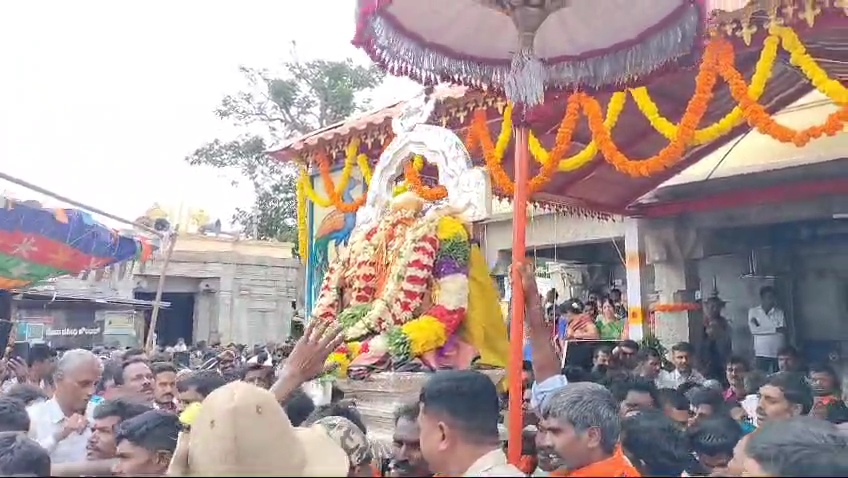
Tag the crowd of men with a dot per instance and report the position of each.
(134, 415)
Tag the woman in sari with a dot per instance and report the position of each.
(580, 325)
(610, 325)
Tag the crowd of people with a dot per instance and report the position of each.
(247, 414)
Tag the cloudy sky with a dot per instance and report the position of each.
(101, 100)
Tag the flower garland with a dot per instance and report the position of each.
(762, 73)
(406, 282)
(334, 192)
(757, 115)
(419, 336)
(450, 297)
(450, 302)
(674, 151)
(573, 163)
(478, 136)
(411, 174)
(335, 196)
(341, 362)
(302, 213)
(682, 307)
(799, 57)
(718, 61)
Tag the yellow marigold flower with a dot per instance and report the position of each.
(188, 415)
(353, 349)
(425, 334)
(451, 228)
(341, 361)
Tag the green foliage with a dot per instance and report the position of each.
(310, 95)
(398, 342)
(456, 249)
(353, 315)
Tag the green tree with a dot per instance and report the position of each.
(308, 96)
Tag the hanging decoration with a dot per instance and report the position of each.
(718, 63)
(681, 307)
(411, 174)
(302, 219)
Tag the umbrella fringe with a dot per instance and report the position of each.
(401, 55)
(525, 83)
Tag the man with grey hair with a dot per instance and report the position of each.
(61, 425)
(580, 423)
(799, 446)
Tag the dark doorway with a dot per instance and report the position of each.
(174, 322)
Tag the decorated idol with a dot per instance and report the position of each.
(412, 291)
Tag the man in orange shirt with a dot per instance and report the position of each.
(580, 423)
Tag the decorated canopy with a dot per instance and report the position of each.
(781, 50)
(38, 243)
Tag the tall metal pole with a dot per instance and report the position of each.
(516, 323)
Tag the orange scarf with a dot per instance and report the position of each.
(615, 466)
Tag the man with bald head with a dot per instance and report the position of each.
(61, 425)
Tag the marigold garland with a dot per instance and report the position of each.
(757, 115)
(413, 181)
(334, 192)
(573, 163)
(335, 196)
(341, 361)
(718, 61)
(674, 151)
(762, 73)
(799, 57)
(682, 307)
(302, 213)
(478, 136)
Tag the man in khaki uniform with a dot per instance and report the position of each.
(459, 426)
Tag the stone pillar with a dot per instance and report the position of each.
(676, 282)
(673, 249)
(638, 277)
(205, 315)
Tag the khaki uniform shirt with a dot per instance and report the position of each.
(493, 464)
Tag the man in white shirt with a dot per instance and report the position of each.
(681, 357)
(61, 425)
(768, 326)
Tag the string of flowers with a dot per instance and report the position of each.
(302, 212)
(478, 137)
(412, 176)
(350, 159)
(418, 164)
(681, 307)
(762, 73)
(759, 118)
(718, 61)
(799, 57)
(432, 329)
(335, 197)
(405, 285)
(582, 158)
(674, 151)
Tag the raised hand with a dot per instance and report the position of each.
(311, 351)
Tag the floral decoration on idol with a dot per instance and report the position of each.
(431, 330)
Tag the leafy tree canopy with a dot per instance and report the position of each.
(309, 95)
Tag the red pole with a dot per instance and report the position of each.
(516, 325)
